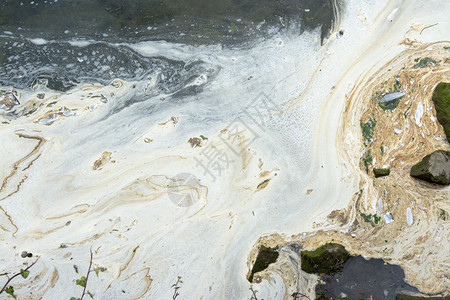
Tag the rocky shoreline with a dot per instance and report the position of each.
(401, 213)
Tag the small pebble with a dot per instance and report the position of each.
(26, 254)
(409, 216)
(388, 218)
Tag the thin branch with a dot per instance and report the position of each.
(254, 293)
(176, 287)
(11, 278)
(87, 277)
(428, 27)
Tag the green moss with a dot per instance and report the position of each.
(329, 259)
(232, 27)
(265, 257)
(397, 85)
(367, 128)
(263, 184)
(368, 218)
(441, 100)
(407, 111)
(359, 197)
(421, 165)
(376, 219)
(367, 160)
(381, 172)
(424, 62)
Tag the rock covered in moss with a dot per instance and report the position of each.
(367, 129)
(441, 100)
(434, 168)
(329, 259)
(381, 172)
(265, 257)
(424, 62)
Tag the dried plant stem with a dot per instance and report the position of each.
(87, 276)
(11, 278)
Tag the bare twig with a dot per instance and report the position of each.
(83, 281)
(87, 277)
(176, 288)
(254, 292)
(20, 273)
(428, 27)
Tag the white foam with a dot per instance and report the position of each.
(39, 41)
(418, 114)
(122, 210)
(409, 216)
(80, 43)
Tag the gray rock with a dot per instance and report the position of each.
(391, 100)
(25, 254)
(434, 168)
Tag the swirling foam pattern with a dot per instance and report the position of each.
(93, 163)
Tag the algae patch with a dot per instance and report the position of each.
(367, 129)
(381, 172)
(368, 218)
(441, 100)
(367, 160)
(263, 184)
(424, 62)
(329, 259)
(265, 257)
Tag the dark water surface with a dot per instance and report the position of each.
(366, 279)
(36, 36)
(187, 21)
(60, 66)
